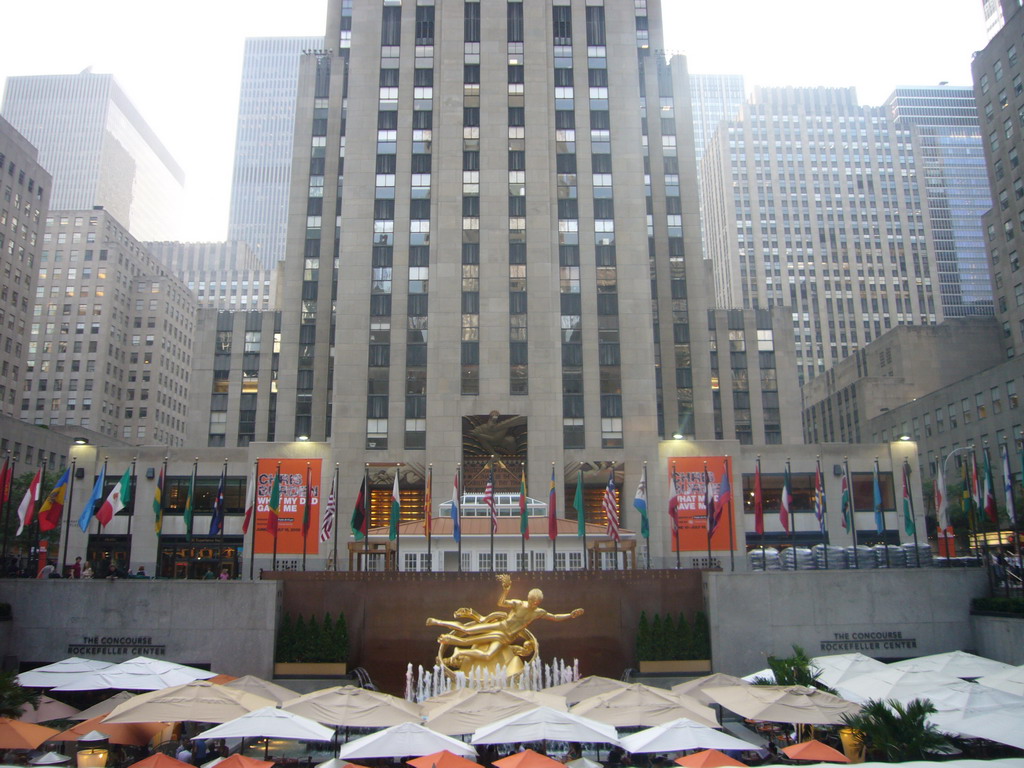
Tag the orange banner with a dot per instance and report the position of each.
(293, 506)
(686, 484)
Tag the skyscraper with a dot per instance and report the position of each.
(950, 151)
(263, 143)
(713, 98)
(818, 204)
(99, 150)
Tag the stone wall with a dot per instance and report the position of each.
(999, 637)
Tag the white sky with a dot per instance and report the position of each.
(180, 62)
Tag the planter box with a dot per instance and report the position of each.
(310, 669)
(676, 666)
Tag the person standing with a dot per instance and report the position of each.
(76, 569)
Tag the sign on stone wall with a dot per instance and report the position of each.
(116, 645)
(869, 640)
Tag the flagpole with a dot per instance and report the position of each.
(398, 523)
(910, 496)
(581, 521)
(252, 521)
(35, 512)
(732, 539)
(67, 520)
(222, 520)
(880, 513)
(305, 514)
(131, 490)
(490, 507)
(791, 513)
(524, 514)
(159, 511)
(759, 510)
(334, 525)
(1016, 515)
(615, 539)
(648, 537)
(275, 513)
(708, 512)
(674, 502)
(9, 486)
(853, 510)
(458, 512)
(983, 518)
(428, 523)
(552, 508)
(819, 492)
(99, 525)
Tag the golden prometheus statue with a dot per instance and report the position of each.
(500, 641)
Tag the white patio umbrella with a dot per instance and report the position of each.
(839, 667)
(954, 664)
(679, 735)
(584, 762)
(1009, 680)
(1004, 726)
(545, 724)
(269, 722)
(60, 672)
(965, 699)
(892, 683)
(403, 740)
(139, 674)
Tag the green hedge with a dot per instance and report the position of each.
(998, 604)
(312, 641)
(666, 638)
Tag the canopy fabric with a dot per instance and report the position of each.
(428, 707)
(269, 722)
(141, 673)
(544, 723)
(783, 703)
(695, 688)
(136, 734)
(105, 707)
(402, 740)
(49, 709)
(159, 760)
(584, 688)
(443, 759)
(584, 762)
(639, 704)
(197, 700)
(49, 758)
(473, 709)
(60, 672)
(892, 683)
(527, 759)
(1004, 726)
(954, 664)
(709, 758)
(268, 690)
(350, 706)
(241, 761)
(336, 763)
(964, 699)
(1009, 680)
(764, 674)
(679, 735)
(838, 667)
(814, 751)
(15, 734)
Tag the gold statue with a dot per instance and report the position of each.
(498, 641)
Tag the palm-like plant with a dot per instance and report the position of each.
(896, 733)
(13, 696)
(794, 670)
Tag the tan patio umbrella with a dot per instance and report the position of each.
(136, 734)
(268, 690)
(48, 709)
(695, 687)
(15, 734)
(539, 698)
(105, 707)
(198, 700)
(346, 705)
(639, 704)
(783, 703)
(585, 687)
(473, 709)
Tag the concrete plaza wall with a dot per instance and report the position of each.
(227, 625)
(999, 637)
(886, 614)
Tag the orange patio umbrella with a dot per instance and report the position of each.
(443, 759)
(159, 760)
(709, 758)
(15, 734)
(136, 734)
(527, 759)
(241, 761)
(815, 752)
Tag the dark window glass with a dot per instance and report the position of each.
(424, 25)
(391, 25)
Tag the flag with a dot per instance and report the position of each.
(217, 518)
(190, 502)
(158, 506)
(120, 496)
(673, 502)
(274, 505)
(723, 500)
(877, 503)
(577, 502)
(610, 508)
(53, 506)
(640, 504)
(90, 503)
(819, 497)
(428, 502)
(396, 509)
(489, 500)
(908, 508)
(846, 502)
(709, 501)
(358, 524)
(966, 500)
(1011, 510)
(976, 497)
(524, 519)
(456, 520)
(306, 507)
(758, 501)
(939, 489)
(786, 501)
(552, 508)
(5, 481)
(989, 495)
(27, 508)
(327, 524)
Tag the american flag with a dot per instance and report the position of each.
(327, 524)
(489, 501)
(611, 509)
